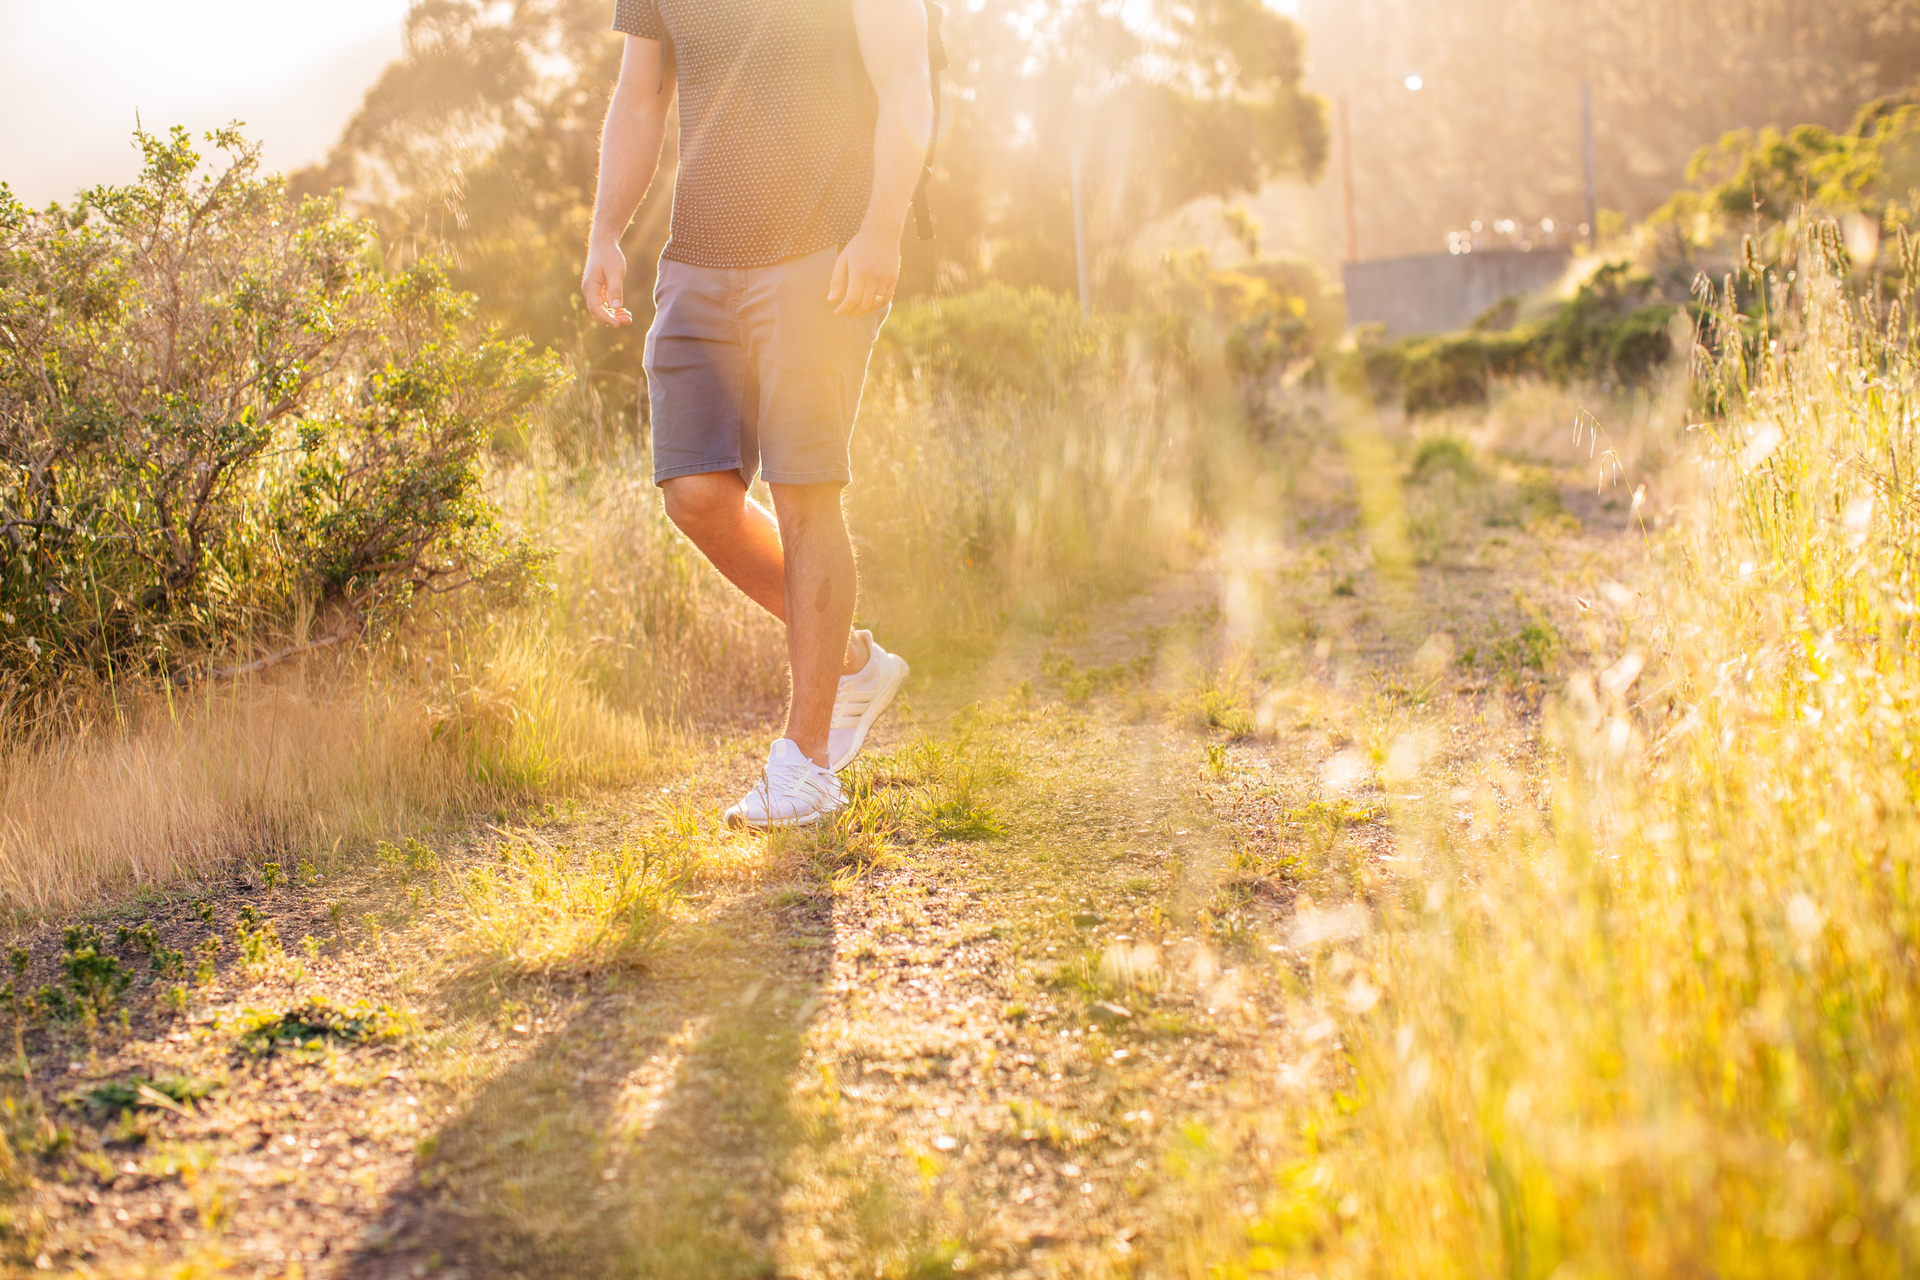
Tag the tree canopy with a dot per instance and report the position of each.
(1495, 130)
(482, 141)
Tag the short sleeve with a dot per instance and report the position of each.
(639, 18)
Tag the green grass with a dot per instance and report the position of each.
(137, 1092)
(318, 1019)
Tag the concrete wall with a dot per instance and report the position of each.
(1442, 292)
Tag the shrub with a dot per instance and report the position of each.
(1754, 191)
(221, 413)
(1613, 331)
(996, 339)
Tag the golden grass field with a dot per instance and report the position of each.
(1479, 846)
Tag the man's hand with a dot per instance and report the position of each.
(865, 273)
(605, 278)
(893, 45)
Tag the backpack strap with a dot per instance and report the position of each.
(936, 63)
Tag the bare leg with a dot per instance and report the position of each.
(820, 591)
(742, 540)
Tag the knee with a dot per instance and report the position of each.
(808, 503)
(703, 503)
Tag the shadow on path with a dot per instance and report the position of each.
(646, 1137)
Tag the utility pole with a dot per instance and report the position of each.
(1345, 126)
(1586, 151)
(1080, 239)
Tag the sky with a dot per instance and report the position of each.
(75, 73)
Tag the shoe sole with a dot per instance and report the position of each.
(896, 676)
(738, 821)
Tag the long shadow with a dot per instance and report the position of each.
(646, 1138)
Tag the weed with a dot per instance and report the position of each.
(1128, 968)
(1104, 979)
(1217, 759)
(164, 961)
(272, 875)
(1532, 648)
(209, 948)
(24, 1007)
(257, 940)
(1443, 456)
(1229, 924)
(318, 1019)
(1215, 707)
(1077, 685)
(964, 816)
(170, 1092)
(408, 859)
(1330, 814)
(95, 980)
(130, 1129)
(1625, 1023)
(26, 1131)
(860, 837)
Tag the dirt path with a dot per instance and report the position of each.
(1040, 1011)
(1009, 1045)
(1011, 1054)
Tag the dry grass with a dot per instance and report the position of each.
(297, 767)
(972, 510)
(1663, 1025)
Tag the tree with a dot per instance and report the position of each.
(1165, 102)
(482, 141)
(1494, 133)
(481, 144)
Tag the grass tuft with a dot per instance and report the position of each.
(319, 1019)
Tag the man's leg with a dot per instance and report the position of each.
(742, 540)
(734, 532)
(820, 586)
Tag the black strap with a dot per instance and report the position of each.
(936, 63)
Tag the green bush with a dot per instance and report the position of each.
(221, 414)
(1614, 331)
(1031, 341)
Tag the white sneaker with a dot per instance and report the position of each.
(862, 698)
(793, 792)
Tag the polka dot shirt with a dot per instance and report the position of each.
(776, 125)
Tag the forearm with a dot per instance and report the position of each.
(901, 133)
(629, 155)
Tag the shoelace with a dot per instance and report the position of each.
(798, 784)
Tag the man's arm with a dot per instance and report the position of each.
(893, 44)
(629, 155)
